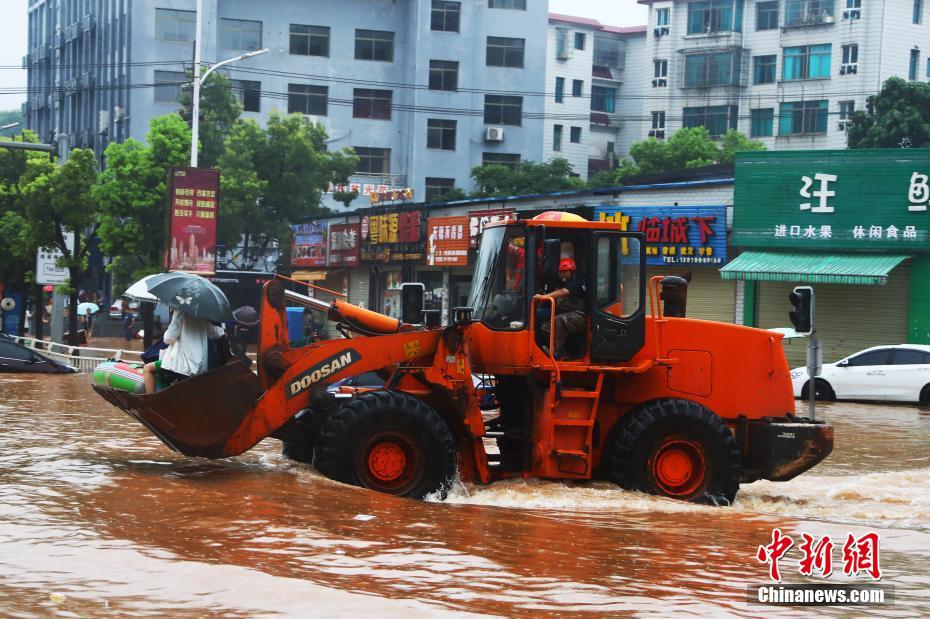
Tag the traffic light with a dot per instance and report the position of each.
(802, 316)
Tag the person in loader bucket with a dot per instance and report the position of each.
(570, 318)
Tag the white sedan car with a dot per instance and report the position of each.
(893, 373)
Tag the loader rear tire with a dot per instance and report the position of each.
(675, 448)
(390, 442)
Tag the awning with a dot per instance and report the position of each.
(308, 276)
(810, 268)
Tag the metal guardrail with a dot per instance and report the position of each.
(84, 358)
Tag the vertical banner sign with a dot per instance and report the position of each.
(447, 241)
(343, 245)
(192, 244)
(477, 220)
(309, 246)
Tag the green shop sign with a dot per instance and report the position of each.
(864, 200)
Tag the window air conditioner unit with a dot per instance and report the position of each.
(658, 134)
(119, 114)
(828, 19)
(844, 125)
(660, 31)
(494, 134)
(659, 82)
(311, 119)
(103, 121)
(852, 14)
(849, 69)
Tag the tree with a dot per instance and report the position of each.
(219, 111)
(897, 117)
(273, 177)
(131, 193)
(690, 147)
(527, 177)
(58, 201)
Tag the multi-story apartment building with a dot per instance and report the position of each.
(587, 65)
(422, 89)
(788, 72)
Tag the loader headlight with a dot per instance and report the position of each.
(797, 373)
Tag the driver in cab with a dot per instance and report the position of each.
(569, 307)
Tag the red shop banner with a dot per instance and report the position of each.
(447, 241)
(343, 245)
(477, 220)
(192, 220)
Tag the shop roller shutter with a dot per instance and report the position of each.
(849, 318)
(709, 297)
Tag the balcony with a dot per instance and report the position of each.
(807, 13)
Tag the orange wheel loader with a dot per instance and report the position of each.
(642, 396)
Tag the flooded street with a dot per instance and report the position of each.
(98, 518)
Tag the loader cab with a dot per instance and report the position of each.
(515, 262)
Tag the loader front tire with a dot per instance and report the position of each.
(390, 442)
(675, 448)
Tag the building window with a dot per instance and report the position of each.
(846, 109)
(371, 104)
(662, 17)
(168, 86)
(762, 122)
(309, 40)
(440, 134)
(767, 15)
(503, 110)
(559, 89)
(556, 137)
(763, 69)
(240, 35)
(579, 40)
(708, 16)
(928, 67)
(373, 160)
(374, 45)
(660, 68)
(716, 118)
(177, 26)
(912, 69)
(436, 188)
(504, 52)
(445, 17)
(603, 99)
(850, 54)
(577, 88)
(807, 62)
(519, 5)
(510, 160)
(658, 120)
(249, 94)
(807, 12)
(707, 69)
(562, 50)
(443, 75)
(306, 99)
(607, 52)
(918, 6)
(575, 135)
(802, 117)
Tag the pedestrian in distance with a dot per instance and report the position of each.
(128, 320)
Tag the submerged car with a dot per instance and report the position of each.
(15, 357)
(891, 373)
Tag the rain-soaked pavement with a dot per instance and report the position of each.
(98, 518)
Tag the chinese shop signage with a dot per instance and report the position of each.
(309, 246)
(447, 241)
(343, 245)
(477, 220)
(873, 199)
(393, 237)
(692, 235)
(193, 196)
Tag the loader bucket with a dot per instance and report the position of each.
(195, 416)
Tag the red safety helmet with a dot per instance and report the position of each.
(566, 264)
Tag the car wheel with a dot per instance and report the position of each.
(925, 395)
(822, 390)
(675, 448)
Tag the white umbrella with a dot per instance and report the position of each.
(87, 308)
(140, 290)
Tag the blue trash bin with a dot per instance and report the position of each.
(295, 325)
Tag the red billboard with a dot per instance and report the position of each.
(447, 241)
(343, 245)
(192, 243)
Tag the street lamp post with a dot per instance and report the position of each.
(199, 81)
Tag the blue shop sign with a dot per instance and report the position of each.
(675, 235)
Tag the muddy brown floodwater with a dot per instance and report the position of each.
(98, 518)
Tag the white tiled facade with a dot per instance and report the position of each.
(884, 31)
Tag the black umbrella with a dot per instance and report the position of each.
(192, 295)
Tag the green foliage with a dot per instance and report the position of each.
(527, 178)
(452, 195)
(131, 193)
(9, 117)
(686, 148)
(18, 254)
(219, 111)
(897, 117)
(274, 177)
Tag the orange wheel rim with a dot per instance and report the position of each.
(387, 461)
(679, 466)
